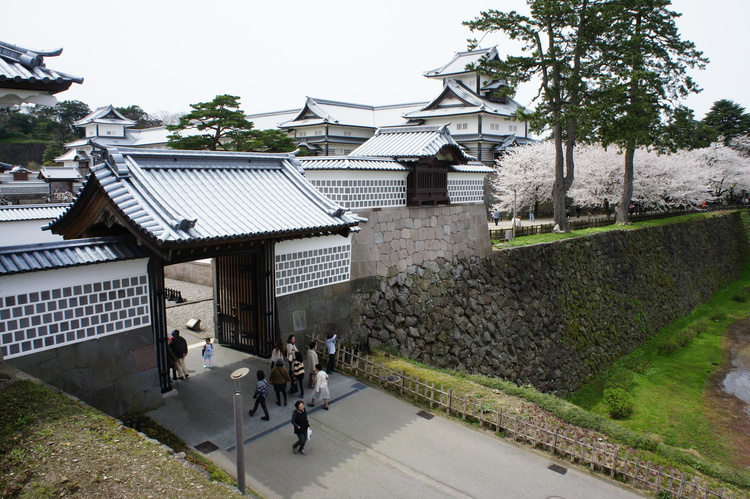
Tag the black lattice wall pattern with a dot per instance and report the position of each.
(354, 194)
(302, 270)
(466, 191)
(41, 320)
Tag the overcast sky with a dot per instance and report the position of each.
(164, 55)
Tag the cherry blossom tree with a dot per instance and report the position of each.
(682, 179)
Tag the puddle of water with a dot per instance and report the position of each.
(737, 381)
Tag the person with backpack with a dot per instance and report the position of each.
(298, 374)
(260, 395)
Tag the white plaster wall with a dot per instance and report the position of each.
(26, 232)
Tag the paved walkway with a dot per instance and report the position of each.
(369, 444)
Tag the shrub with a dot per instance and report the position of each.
(618, 402)
(700, 327)
(684, 337)
(619, 377)
(718, 316)
(667, 347)
(636, 362)
(742, 295)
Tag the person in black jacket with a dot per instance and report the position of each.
(300, 423)
(180, 350)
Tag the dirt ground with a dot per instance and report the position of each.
(728, 413)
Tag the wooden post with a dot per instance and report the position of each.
(635, 473)
(499, 419)
(708, 491)
(515, 428)
(432, 394)
(614, 461)
(403, 375)
(695, 488)
(450, 400)
(593, 452)
(481, 415)
(554, 443)
(658, 480)
(681, 490)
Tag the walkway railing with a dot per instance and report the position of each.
(600, 456)
(579, 224)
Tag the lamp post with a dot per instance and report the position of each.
(513, 224)
(237, 376)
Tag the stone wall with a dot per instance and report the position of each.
(392, 240)
(550, 315)
(114, 374)
(197, 272)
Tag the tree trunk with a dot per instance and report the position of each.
(623, 216)
(558, 188)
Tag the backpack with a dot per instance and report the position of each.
(263, 390)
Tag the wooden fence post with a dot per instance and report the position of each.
(658, 480)
(635, 473)
(554, 443)
(450, 400)
(682, 486)
(695, 488)
(403, 375)
(593, 452)
(614, 462)
(432, 394)
(515, 428)
(499, 419)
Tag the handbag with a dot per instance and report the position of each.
(309, 433)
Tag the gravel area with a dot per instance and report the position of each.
(199, 305)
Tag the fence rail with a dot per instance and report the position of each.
(532, 230)
(599, 456)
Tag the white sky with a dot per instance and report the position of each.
(164, 55)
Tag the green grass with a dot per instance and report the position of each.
(546, 238)
(668, 395)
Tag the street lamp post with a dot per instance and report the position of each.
(239, 439)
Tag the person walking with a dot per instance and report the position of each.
(496, 216)
(531, 213)
(277, 353)
(331, 348)
(260, 395)
(321, 387)
(208, 354)
(279, 378)
(180, 349)
(298, 374)
(172, 359)
(301, 425)
(291, 348)
(312, 360)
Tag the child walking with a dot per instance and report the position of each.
(208, 354)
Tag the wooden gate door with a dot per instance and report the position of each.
(239, 302)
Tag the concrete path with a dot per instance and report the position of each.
(369, 444)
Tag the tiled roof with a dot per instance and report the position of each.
(24, 68)
(181, 197)
(472, 167)
(473, 103)
(409, 142)
(60, 173)
(14, 213)
(347, 113)
(457, 65)
(107, 115)
(47, 256)
(346, 163)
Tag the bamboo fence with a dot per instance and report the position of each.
(602, 457)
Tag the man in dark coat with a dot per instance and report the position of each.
(180, 349)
